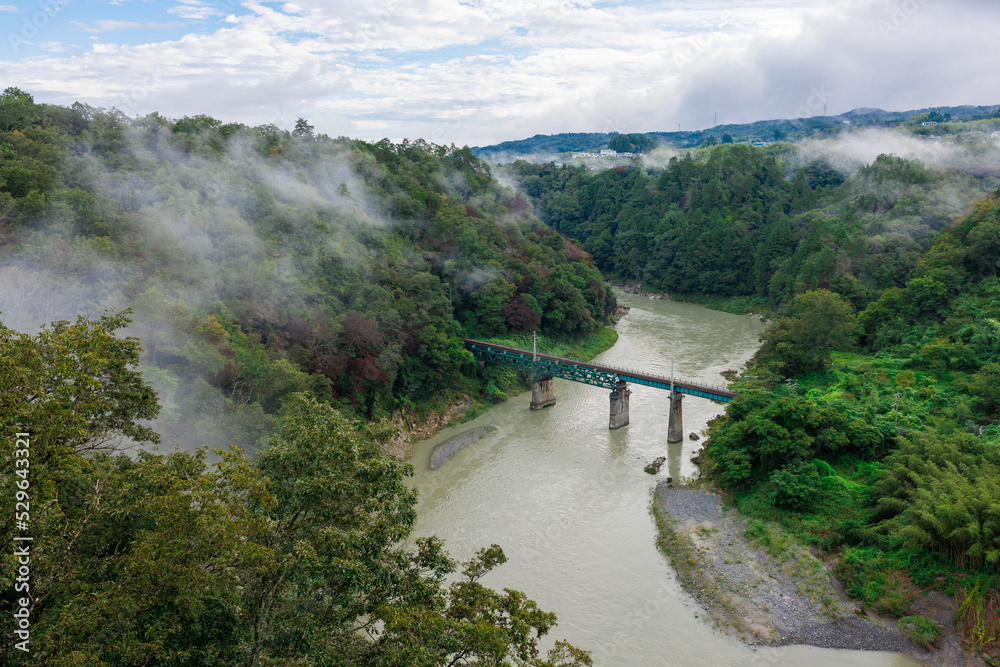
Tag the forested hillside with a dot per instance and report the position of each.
(875, 436)
(556, 146)
(756, 222)
(259, 262)
(281, 292)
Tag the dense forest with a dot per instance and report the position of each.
(188, 283)
(740, 221)
(259, 262)
(868, 424)
(297, 557)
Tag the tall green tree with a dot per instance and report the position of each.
(818, 323)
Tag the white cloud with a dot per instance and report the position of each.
(194, 10)
(110, 25)
(9, 8)
(484, 71)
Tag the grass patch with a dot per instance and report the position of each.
(797, 564)
(738, 305)
(582, 349)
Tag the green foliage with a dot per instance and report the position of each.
(74, 388)
(346, 269)
(940, 493)
(796, 486)
(762, 222)
(631, 143)
(17, 110)
(299, 557)
(765, 431)
(877, 579)
(985, 386)
(818, 323)
(916, 507)
(921, 630)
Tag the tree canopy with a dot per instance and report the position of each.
(298, 557)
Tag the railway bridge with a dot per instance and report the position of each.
(545, 367)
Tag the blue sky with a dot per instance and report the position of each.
(482, 71)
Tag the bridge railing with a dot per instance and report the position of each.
(594, 374)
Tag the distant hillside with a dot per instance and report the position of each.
(544, 147)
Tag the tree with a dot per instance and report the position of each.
(73, 387)
(303, 128)
(984, 245)
(341, 584)
(145, 561)
(985, 386)
(819, 322)
(17, 110)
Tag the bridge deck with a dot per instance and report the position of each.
(587, 373)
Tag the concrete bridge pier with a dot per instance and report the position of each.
(619, 405)
(542, 395)
(675, 425)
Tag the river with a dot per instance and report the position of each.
(568, 500)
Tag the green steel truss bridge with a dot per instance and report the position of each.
(593, 374)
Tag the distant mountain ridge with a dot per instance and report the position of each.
(762, 130)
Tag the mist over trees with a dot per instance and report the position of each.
(260, 262)
(281, 292)
(757, 222)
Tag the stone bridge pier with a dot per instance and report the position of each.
(542, 395)
(619, 405)
(675, 425)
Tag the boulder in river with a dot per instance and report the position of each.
(655, 466)
(695, 436)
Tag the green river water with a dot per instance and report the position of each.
(568, 500)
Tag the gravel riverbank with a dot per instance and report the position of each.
(757, 584)
(450, 447)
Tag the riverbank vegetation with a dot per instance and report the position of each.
(880, 443)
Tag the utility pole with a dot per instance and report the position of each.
(897, 408)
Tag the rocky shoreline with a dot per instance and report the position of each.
(452, 446)
(763, 588)
(412, 428)
(637, 289)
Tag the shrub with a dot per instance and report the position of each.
(921, 630)
(796, 486)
